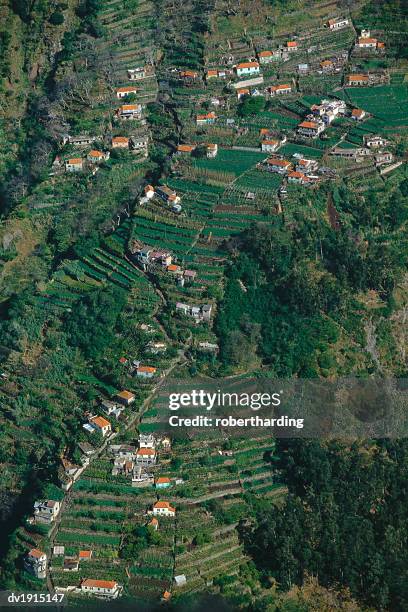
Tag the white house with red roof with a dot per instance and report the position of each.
(146, 456)
(105, 589)
(163, 508)
(247, 68)
(101, 425)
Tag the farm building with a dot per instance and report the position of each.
(162, 482)
(120, 142)
(95, 156)
(241, 93)
(297, 177)
(292, 46)
(168, 195)
(373, 142)
(185, 148)
(46, 511)
(383, 158)
(135, 74)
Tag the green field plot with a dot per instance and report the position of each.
(231, 161)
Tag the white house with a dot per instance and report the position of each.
(373, 142)
(35, 562)
(120, 142)
(167, 194)
(306, 165)
(365, 42)
(337, 24)
(146, 456)
(129, 111)
(163, 508)
(96, 157)
(46, 511)
(123, 92)
(277, 90)
(297, 177)
(147, 441)
(126, 397)
(75, 164)
(358, 114)
(206, 119)
(266, 57)
(383, 158)
(281, 166)
(212, 150)
(311, 128)
(145, 371)
(109, 589)
(270, 146)
(135, 74)
(247, 68)
(101, 425)
(138, 143)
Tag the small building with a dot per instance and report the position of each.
(149, 192)
(180, 580)
(96, 157)
(265, 57)
(162, 482)
(75, 164)
(247, 68)
(126, 397)
(123, 92)
(185, 148)
(106, 589)
(101, 425)
(156, 347)
(241, 93)
(206, 119)
(145, 371)
(311, 129)
(167, 194)
(367, 43)
(129, 111)
(326, 65)
(356, 80)
(212, 150)
(146, 456)
(297, 177)
(206, 310)
(209, 347)
(153, 523)
(292, 46)
(281, 166)
(78, 141)
(46, 511)
(147, 441)
(270, 146)
(35, 562)
(138, 143)
(135, 74)
(191, 75)
(337, 24)
(71, 564)
(163, 508)
(85, 555)
(58, 551)
(211, 74)
(190, 275)
(374, 142)
(358, 114)
(277, 90)
(306, 165)
(383, 158)
(120, 142)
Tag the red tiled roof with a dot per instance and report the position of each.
(102, 584)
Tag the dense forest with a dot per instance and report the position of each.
(344, 520)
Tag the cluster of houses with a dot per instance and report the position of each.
(197, 313)
(138, 463)
(359, 79)
(366, 41)
(211, 150)
(374, 146)
(301, 171)
(164, 193)
(99, 423)
(321, 116)
(159, 260)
